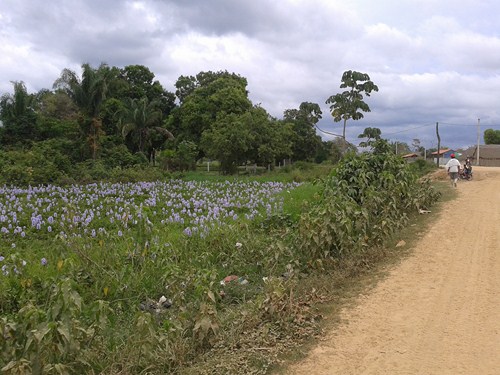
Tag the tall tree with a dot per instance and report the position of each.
(306, 142)
(57, 116)
(140, 123)
(228, 141)
(88, 93)
(349, 104)
(213, 95)
(18, 116)
(140, 83)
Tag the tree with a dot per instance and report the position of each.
(400, 148)
(208, 98)
(57, 118)
(492, 137)
(349, 104)
(18, 116)
(305, 141)
(416, 145)
(140, 123)
(372, 135)
(88, 93)
(272, 140)
(140, 83)
(228, 141)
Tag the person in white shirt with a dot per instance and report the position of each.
(453, 168)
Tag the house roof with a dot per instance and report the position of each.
(413, 155)
(485, 152)
(442, 151)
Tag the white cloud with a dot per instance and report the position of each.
(432, 60)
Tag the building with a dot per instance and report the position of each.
(444, 155)
(410, 157)
(489, 155)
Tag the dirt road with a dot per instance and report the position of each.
(438, 312)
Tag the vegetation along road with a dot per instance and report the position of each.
(438, 312)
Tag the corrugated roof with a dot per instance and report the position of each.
(485, 152)
(442, 151)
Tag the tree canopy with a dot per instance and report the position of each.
(349, 104)
(492, 137)
(123, 116)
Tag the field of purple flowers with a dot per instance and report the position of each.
(105, 210)
(89, 270)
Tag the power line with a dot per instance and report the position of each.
(323, 131)
(475, 125)
(407, 130)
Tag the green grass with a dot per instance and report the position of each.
(210, 328)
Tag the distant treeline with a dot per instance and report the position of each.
(110, 117)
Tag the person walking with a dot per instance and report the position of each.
(453, 168)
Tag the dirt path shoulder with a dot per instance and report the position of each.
(438, 312)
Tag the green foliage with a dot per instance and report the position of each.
(349, 104)
(422, 167)
(305, 142)
(17, 116)
(372, 135)
(137, 121)
(206, 99)
(492, 137)
(182, 159)
(54, 339)
(366, 199)
(95, 113)
(228, 141)
(187, 152)
(88, 93)
(45, 163)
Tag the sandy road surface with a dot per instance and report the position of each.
(438, 312)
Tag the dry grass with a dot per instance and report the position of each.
(261, 346)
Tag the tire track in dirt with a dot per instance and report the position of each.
(438, 312)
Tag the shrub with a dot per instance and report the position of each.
(366, 199)
(422, 167)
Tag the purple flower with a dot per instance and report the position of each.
(44, 262)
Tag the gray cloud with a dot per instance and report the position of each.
(432, 60)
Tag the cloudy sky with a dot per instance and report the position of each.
(433, 60)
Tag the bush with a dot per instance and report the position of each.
(120, 156)
(43, 164)
(422, 167)
(303, 165)
(366, 199)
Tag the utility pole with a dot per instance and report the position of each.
(439, 142)
(478, 137)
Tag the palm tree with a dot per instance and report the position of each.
(17, 115)
(140, 124)
(88, 93)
